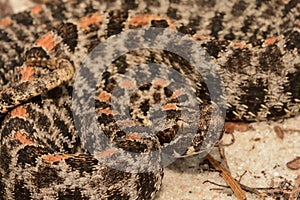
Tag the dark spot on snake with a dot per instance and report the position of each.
(145, 87)
(216, 24)
(270, 60)
(145, 106)
(45, 176)
(116, 22)
(84, 164)
(206, 3)
(71, 194)
(253, 95)
(21, 192)
(293, 40)
(159, 23)
(214, 47)
(29, 154)
(58, 11)
(172, 13)
(144, 188)
(238, 60)
(168, 92)
(275, 111)
(23, 18)
(36, 53)
(2, 187)
(4, 36)
(129, 5)
(5, 158)
(69, 33)
(229, 36)
(16, 124)
(290, 5)
(167, 135)
(238, 8)
(120, 133)
(106, 119)
(294, 84)
(157, 97)
(247, 24)
(118, 194)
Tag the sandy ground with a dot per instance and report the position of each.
(258, 154)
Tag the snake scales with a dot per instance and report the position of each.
(254, 46)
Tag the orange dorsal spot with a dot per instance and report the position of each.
(5, 22)
(272, 40)
(145, 20)
(106, 111)
(47, 41)
(127, 84)
(36, 9)
(85, 22)
(170, 106)
(133, 137)
(178, 93)
(201, 37)
(127, 123)
(104, 96)
(23, 139)
(160, 82)
(27, 73)
(19, 111)
(240, 45)
(107, 153)
(54, 158)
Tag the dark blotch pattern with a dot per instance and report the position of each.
(254, 95)
(23, 18)
(71, 194)
(85, 164)
(116, 22)
(216, 24)
(239, 8)
(21, 192)
(270, 60)
(46, 176)
(69, 34)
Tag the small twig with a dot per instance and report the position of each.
(296, 190)
(231, 142)
(241, 176)
(223, 157)
(234, 185)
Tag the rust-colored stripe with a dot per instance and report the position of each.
(170, 106)
(23, 139)
(19, 111)
(272, 40)
(5, 22)
(54, 158)
(127, 84)
(27, 73)
(47, 41)
(105, 111)
(36, 9)
(85, 22)
(104, 96)
(161, 82)
(144, 20)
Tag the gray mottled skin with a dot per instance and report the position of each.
(252, 45)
